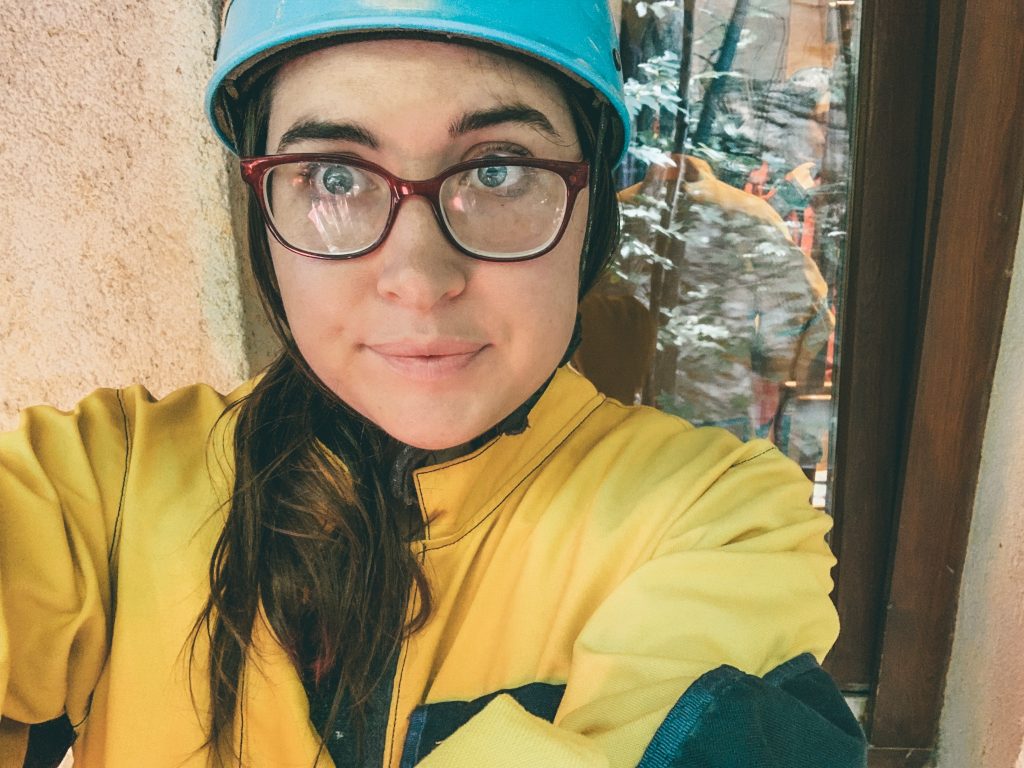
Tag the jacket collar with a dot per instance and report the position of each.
(458, 495)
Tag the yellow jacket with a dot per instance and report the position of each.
(611, 554)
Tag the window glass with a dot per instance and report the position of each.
(724, 299)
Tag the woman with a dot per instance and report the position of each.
(418, 538)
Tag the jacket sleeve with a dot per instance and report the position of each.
(706, 655)
(61, 480)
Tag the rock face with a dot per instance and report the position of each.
(119, 260)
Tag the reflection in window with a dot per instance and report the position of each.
(723, 303)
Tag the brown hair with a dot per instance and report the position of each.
(313, 534)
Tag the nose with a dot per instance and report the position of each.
(419, 268)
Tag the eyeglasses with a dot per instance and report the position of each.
(332, 206)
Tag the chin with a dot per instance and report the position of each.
(435, 416)
(432, 439)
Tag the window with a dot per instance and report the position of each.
(913, 201)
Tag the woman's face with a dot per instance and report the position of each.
(433, 346)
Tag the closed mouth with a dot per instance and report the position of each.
(428, 361)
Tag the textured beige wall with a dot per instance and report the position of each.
(118, 257)
(982, 722)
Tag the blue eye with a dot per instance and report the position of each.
(493, 176)
(337, 180)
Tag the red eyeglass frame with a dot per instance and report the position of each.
(576, 176)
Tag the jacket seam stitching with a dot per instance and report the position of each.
(481, 451)
(116, 534)
(398, 699)
(398, 694)
(755, 456)
(513, 489)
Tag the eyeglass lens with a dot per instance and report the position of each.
(333, 209)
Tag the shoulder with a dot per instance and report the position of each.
(643, 445)
(641, 467)
(120, 409)
(194, 404)
(181, 437)
(111, 431)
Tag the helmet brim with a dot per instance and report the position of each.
(233, 70)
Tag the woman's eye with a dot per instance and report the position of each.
(338, 180)
(493, 176)
(504, 179)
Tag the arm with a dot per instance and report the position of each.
(61, 476)
(739, 581)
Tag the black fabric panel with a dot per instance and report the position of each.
(49, 742)
(794, 717)
(342, 742)
(816, 689)
(431, 724)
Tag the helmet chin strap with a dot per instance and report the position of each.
(595, 170)
(574, 341)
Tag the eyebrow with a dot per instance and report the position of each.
(470, 121)
(324, 129)
(506, 113)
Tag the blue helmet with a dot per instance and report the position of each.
(576, 37)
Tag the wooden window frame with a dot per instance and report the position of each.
(938, 185)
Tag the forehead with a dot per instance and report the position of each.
(404, 85)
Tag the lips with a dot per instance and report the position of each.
(429, 359)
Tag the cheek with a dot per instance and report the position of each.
(559, 288)
(541, 307)
(560, 297)
(293, 286)
(314, 295)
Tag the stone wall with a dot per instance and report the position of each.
(119, 261)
